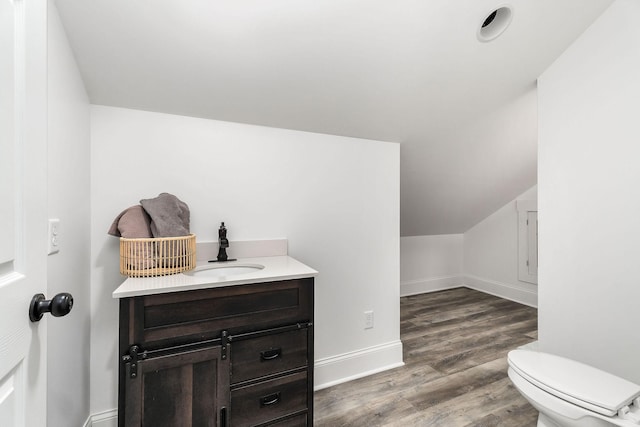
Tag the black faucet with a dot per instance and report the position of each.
(224, 244)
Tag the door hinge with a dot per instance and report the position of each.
(132, 358)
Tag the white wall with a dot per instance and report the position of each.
(335, 198)
(491, 255)
(589, 281)
(485, 258)
(68, 199)
(430, 263)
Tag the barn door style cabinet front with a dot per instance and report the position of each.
(184, 388)
(228, 356)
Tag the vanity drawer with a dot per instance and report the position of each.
(191, 316)
(268, 354)
(295, 421)
(269, 400)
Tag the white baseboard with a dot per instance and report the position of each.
(357, 364)
(502, 290)
(103, 419)
(422, 286)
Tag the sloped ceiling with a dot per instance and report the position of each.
(407, 71)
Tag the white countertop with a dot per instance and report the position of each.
(275, 268)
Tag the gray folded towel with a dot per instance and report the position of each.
(169, 215)
(132, 223)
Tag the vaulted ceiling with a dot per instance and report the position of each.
(406, 71)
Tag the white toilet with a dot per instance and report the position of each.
(569, 393)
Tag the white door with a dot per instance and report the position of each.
(23, 208)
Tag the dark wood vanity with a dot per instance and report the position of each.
(226, 356)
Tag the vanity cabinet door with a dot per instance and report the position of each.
(189, 388)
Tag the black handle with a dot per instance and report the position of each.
(270, 354)
(223, 417)
(271, 399)
(58, 306)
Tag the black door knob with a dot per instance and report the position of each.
(60, 305)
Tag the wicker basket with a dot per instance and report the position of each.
(157, 256)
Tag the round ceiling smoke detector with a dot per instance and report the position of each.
(495, 23)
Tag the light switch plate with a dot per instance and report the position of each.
(54, 236)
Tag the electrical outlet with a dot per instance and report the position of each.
(54, 236)
(368, 319)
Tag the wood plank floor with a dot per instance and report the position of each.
(455, 345)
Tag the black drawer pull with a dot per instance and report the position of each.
(270, 399)
(223, 417)
(271, 354)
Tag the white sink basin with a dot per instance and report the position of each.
(224, 270)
